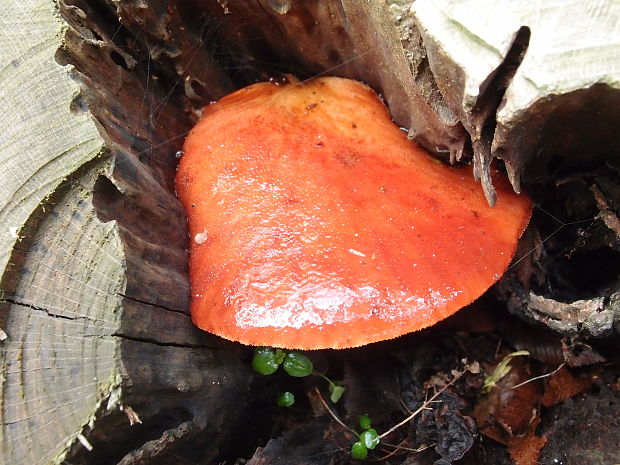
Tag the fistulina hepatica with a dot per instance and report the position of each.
(315, 223)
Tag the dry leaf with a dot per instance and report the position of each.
(506, 412)
(525, 450)
(562, 385)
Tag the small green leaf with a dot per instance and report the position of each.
(335, 392)
(370, 438)
(264, 361)
(286, 399)
(296, 364)
(365, 421)
(359, 451)
(501, 370)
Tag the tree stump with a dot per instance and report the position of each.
(100, 360)
(95, 291)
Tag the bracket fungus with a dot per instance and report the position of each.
(315, 223)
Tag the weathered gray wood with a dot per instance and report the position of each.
(41, 142)
(527, 81)
(599, 316)
(60, 361)
(61, 267)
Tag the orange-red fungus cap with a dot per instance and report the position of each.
(314, 222)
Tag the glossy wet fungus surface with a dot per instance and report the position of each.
(315, 223)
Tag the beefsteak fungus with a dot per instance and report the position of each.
(315, 223)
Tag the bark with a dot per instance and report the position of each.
(96, 98)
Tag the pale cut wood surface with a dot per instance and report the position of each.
(60, 361)
(61, 267)
(533, 84)
(562, 87)
(42, 141)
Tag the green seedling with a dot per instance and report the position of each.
(365, 421)
(267, 360)
(368, 439)
(501, 370)
(335, 390)
(359, 451)
(297, 365)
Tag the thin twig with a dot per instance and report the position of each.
(539, 377)
(400, 448)
(404, 405)
(409, 449)
(332, 413)
(389, 454)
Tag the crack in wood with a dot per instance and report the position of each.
(49, 312)
(148, 340)
(151, 304)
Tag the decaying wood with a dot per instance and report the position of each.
(96, 97)
(586, 445)
(545, 87)
(594, 316)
